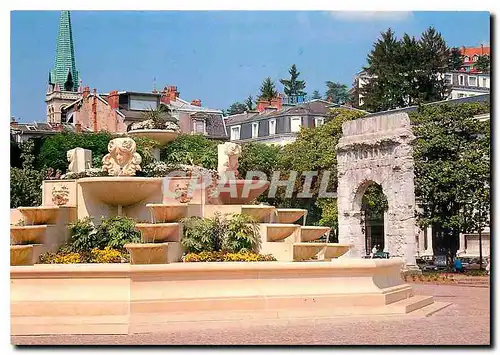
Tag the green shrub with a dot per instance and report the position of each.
(258, 157)
(240, 232)
(113, 232)
(191, 149)
(201, 234)
(220, 256)
(118, 231)
(83, 237)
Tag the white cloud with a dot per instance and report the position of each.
(371, 16)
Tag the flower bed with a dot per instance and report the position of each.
(219, 256)
(105, 256)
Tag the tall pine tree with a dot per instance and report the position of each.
(267, 90)
(406, 72)
(337, 92)
(292, 86)
(249, 103)
(456, 59)
(316, 95)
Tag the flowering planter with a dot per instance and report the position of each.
(148, 253)
(162, 136)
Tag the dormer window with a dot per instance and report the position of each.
(200, 127)
(319, 121)
(295, 123)
(272, 126)
(475, 58)
(255, 129)
(235, 133)
(466, 59)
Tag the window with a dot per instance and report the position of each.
(472, 81)
(199, 126)
(484, 83)
(448, 79)
(143, 103)
(319, 121)
(295, 123)
(461, 80)
(466, 59)
(461, 95)
(235, 133)
(475, 58)
(255, 129)
(272, 127)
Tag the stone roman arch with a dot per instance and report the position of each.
(377, 149)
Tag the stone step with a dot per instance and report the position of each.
(411, 304)
(429, 310)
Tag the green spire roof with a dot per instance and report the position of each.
(64, 72)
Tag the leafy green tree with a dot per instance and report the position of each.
(258, 157)
(26, 182)
(236, 108)
(267, 90)
(191, 149)
(292, 86)
(456, 59)
(483, 64)
(337, 92)
(316, 95)
(451, 154)
(249, 102)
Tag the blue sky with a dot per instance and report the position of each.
(216, 56)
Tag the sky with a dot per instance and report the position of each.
(218, 57)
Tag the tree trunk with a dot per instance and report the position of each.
(480, 250)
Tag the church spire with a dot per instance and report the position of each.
(64, 72)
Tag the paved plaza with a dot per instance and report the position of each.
(465, 322)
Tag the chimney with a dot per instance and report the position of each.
(78, 127)
(86, 91)
(94, 110)
(113, 99)
(277, 102)
(196, 102)
(261, 105)
(482, 49)
(172, 93)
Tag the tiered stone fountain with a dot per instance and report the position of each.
(38, 230)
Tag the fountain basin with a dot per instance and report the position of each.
(147, 253)
(289, 215)
(167, 212)
(27, 234)
(40, 214)
(276, 232)
(310, 233)
(336, 250)
(241, 192)
(164, 232)
(120, 190)
(21, 255)
(162, 136)
(306, 251)
(258, 212)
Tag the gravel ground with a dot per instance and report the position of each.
(465, 322)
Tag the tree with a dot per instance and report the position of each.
(451, 154)
(434, 55)
(236, 108)
(406, 72)
(483, 64)
(249, 102)
(316, 95)
(456, 59)
(293, 87)
(337, 92)
(26, 182)
(267, 90)
(191, 149)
